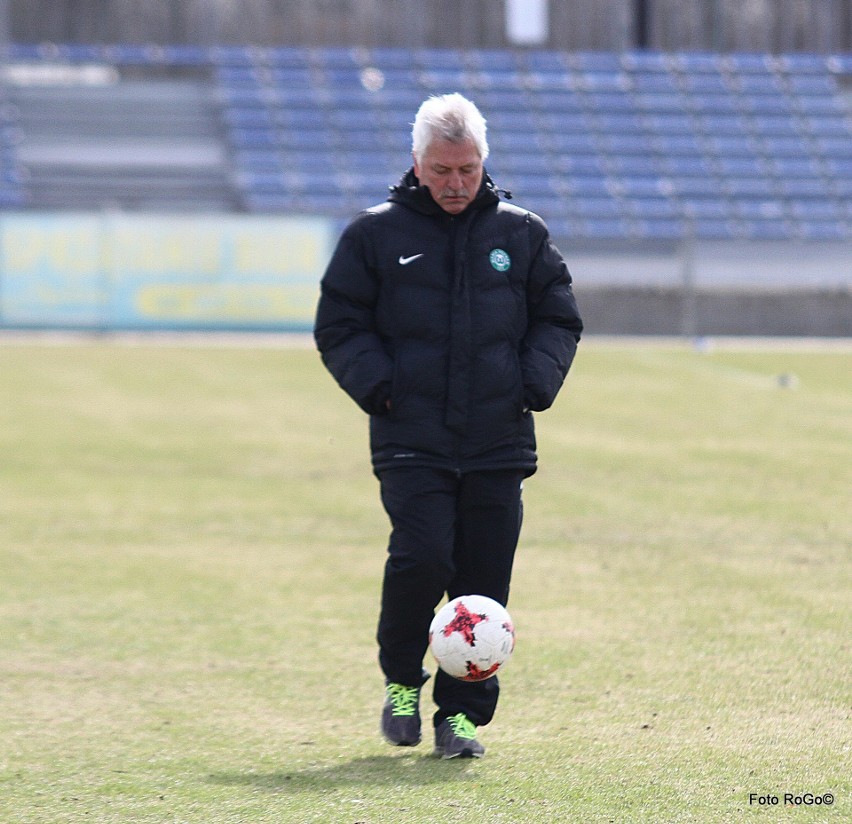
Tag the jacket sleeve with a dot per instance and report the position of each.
(553, 325)
(345, 327)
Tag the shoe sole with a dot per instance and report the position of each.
(439, 753)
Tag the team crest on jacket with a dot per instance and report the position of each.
(500, 260)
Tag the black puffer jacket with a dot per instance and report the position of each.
(464, 323)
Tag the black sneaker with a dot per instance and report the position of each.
(401, 715)
(455, 737)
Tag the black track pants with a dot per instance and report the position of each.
(454, 535)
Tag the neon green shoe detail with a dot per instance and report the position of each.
(462, 727)
(401, 715)
(455, 737)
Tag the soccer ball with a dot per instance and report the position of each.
(472, 637)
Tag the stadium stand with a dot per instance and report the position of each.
(636, 145)
(11, 173)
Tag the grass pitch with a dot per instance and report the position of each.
(191, 547)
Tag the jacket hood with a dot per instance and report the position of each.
(412, 193)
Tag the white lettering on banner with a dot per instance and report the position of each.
(141, 271)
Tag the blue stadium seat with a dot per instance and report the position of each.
(722, 124)
(603, 228)
(709, 85)
(803, 63)
(834, 147)
(298, 157)
(539, 81)
(398, 104)
(704, 208)
(686, 166)
(658, 229)
(715, 103)
(732, 146)
(288, 56)
(765, 230)
(580, 165)
(555, 102)
(639, 165)
(343, 77)
(842, 187)
(699, 62)
(498, 100)
(572, 143)
(767, 104)
(614, 102)
(495, 60)
(760, 84)
(647, 61)
(447, 81)
(386, 58)
(803, 187)
(818, 104)
(629, 122)
(596, 207)
(661, 102)
(519, 120)
(252, 118)
(658, 82)
(441, 58)
(749, 62)
(511, 141)
(759, 208)
(301, 119)
(669, 124)
(259, 160)
(547, 206)
(305, 138)
(751, 187)
(626, 143)
(801, 166)
(642, 144)
(713, 229)
(546, 61)
(823, 230)
(651, 207)
(839, 167)
(353, 119)
(687, 186)
(815, 209)
(595, 62)
(527, 163)
(679, 145)
(839, 64)
(782, 125)
(813, 84)
(589, 186)
(832, 125)
(402, 79)
(343, 58)
(484, 79)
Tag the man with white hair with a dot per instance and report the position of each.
(448, 316)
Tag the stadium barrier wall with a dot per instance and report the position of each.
(166, 272)
(216, 272)
(701, 288)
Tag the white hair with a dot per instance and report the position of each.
(448, 117)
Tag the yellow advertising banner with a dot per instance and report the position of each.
(161, 271)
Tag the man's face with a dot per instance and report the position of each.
(452, 171)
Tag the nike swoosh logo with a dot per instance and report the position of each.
(404, 261)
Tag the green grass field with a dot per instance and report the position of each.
(191, 546)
